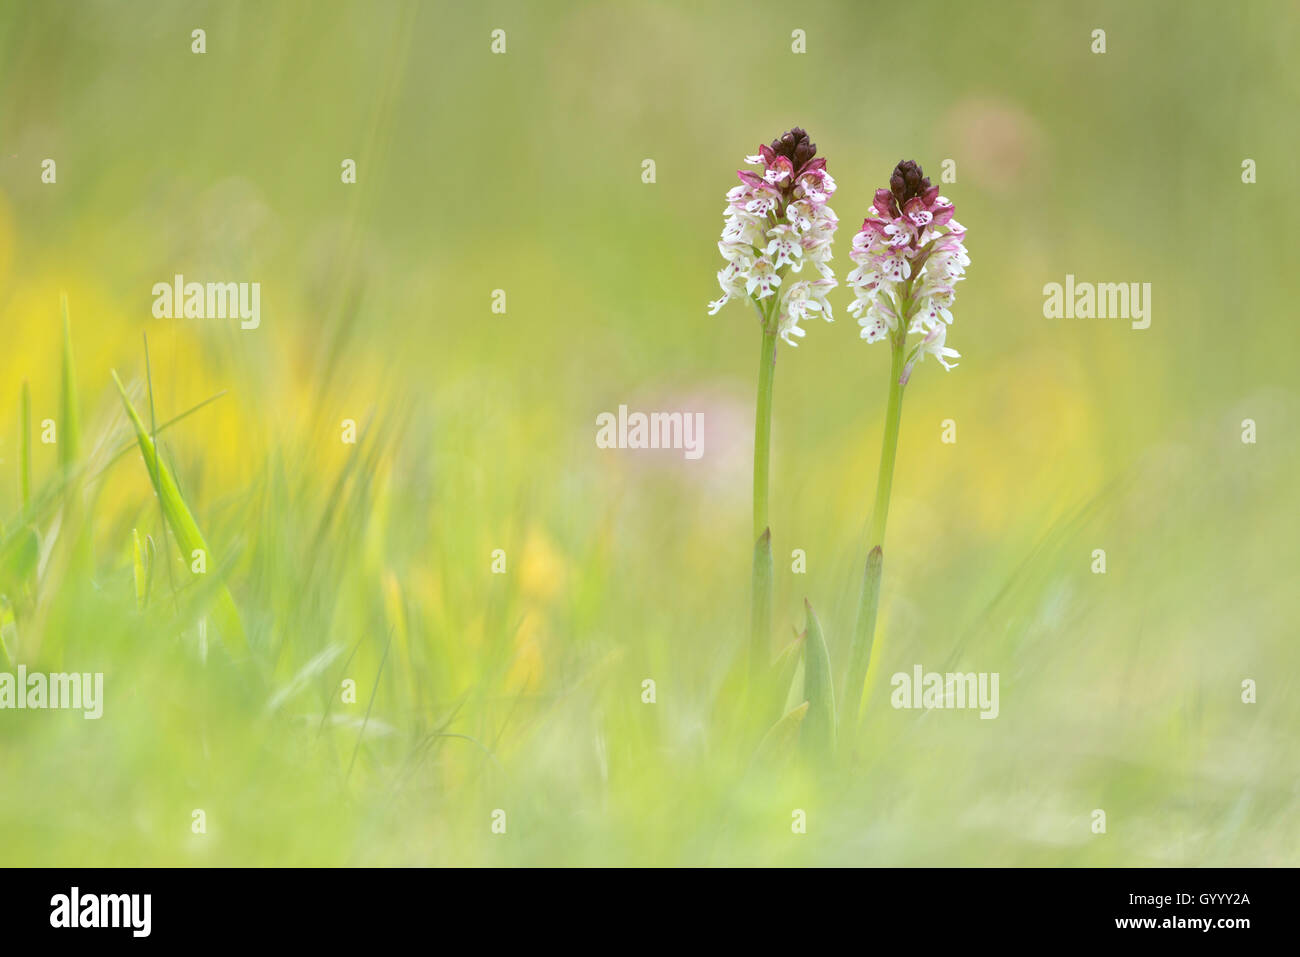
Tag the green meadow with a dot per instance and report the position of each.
(427, 602)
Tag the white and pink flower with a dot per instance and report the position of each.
(778, 221)
(910, 254)
(933, 344)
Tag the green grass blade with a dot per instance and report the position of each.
(25, 447)
(19, 555)
(794, 683)
(183, 526)
(161, 428)
(8, 633)
(69, 416)
(140, 566)
(863, 635)
(787, 665)
(153, 437)
(780, 741)
(69, 442)
(150, 563)
(818, 737)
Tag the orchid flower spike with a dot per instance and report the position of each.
(778, 222)
(909, 254)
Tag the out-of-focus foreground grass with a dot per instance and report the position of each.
(523, 691)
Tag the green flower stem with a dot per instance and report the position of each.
(763, 429)
(889, 446)
(761, 608)
(863, 655)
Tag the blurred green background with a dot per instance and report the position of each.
(523, 691)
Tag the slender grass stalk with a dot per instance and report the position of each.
(25, 448)
(6, 629)
(183, 526)
(128, 446)
(373, 691)
(153, 437)
(761, 608)
(76, 518)
(69, 415)
(863, 654)
(140, 567)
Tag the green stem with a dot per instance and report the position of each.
(761, 608)
(889, 445)
(763, 429)
(863, 655)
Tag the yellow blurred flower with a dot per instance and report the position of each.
(542, 569)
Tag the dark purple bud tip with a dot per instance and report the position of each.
(907, 181)
(795, 146)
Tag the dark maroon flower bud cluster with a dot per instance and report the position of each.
(785, 160)
(906, 181)
(910, 196)
(795, 146)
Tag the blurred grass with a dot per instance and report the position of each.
(522, 691)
